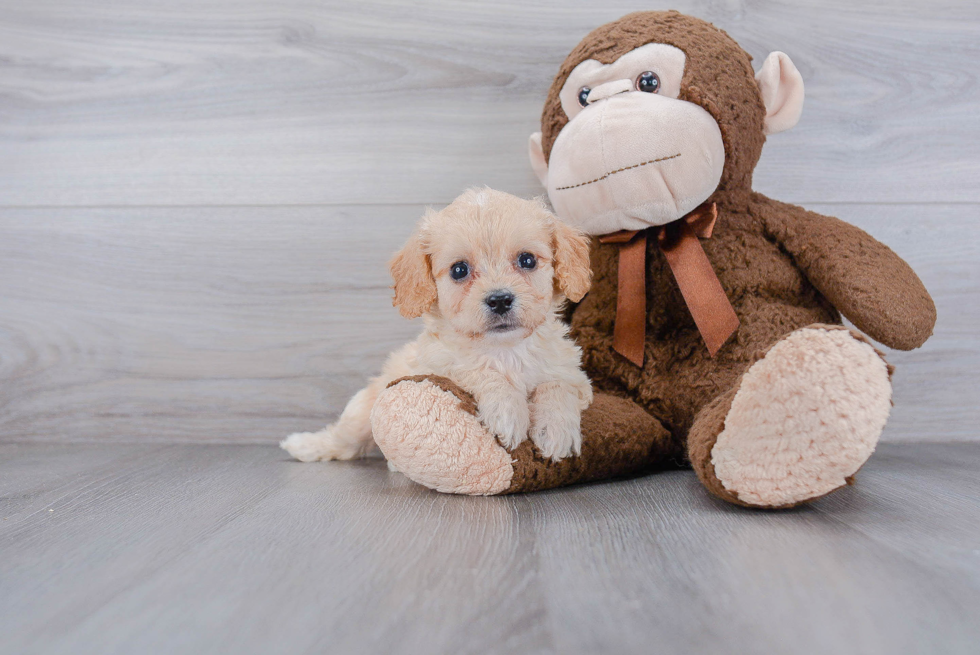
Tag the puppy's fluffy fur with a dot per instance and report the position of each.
(519, 364)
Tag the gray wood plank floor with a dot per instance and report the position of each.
(234, 549)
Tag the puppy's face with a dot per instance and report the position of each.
(491, 264)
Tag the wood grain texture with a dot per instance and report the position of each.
(237, 323)
(253, 102)
(245, 324)
(221, 324)
(235, 549)
(197, 202)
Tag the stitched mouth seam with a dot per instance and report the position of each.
(618, 170)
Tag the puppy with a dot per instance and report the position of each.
(488, 275)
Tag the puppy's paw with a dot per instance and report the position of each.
(556, 421)
(556, 432)
(316, 446)
(508, 417)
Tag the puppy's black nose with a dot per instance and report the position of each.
(500, 302)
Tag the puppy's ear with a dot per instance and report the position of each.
(573, 274)
(415, 288)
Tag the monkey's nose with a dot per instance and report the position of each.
(499, 302)
(609, 89)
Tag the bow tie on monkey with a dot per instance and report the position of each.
(637, 144)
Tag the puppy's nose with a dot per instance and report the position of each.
(499, 302)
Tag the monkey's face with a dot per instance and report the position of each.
(632, 154)
(626, 143)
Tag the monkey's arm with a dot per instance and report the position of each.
(863, 278)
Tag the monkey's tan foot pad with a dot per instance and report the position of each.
(804, 419)
(427, 427)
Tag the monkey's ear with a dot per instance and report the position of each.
(782, 92)
(415, 288)
(573, 274)
(536, 153)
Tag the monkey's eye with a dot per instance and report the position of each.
(583, 96)
(527, 261)
(648, 82)
(459, 270)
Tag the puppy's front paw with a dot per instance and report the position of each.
(557, 426)
(508, 417)
(316, 446)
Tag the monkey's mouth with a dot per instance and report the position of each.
(618, 170)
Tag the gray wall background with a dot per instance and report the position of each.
(198, 198)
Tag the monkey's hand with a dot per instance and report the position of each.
(863, 278)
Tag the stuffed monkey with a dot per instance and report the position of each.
(712, 333)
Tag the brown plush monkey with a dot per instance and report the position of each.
(713, 329)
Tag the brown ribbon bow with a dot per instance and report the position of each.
(705, 298)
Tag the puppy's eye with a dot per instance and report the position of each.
(648, 82)
(459, 270)
(583, 96)
(527, 261)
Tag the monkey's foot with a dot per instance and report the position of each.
(800, 423)
(427, 427)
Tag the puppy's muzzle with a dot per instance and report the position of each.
(499, 302)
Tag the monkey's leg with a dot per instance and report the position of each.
(427, 427)
(798, 424)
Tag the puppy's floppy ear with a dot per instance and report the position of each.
(415, 288)
(573, 274)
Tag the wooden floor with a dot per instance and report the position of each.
(235, 549)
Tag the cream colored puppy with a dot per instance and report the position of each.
(488, 275)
